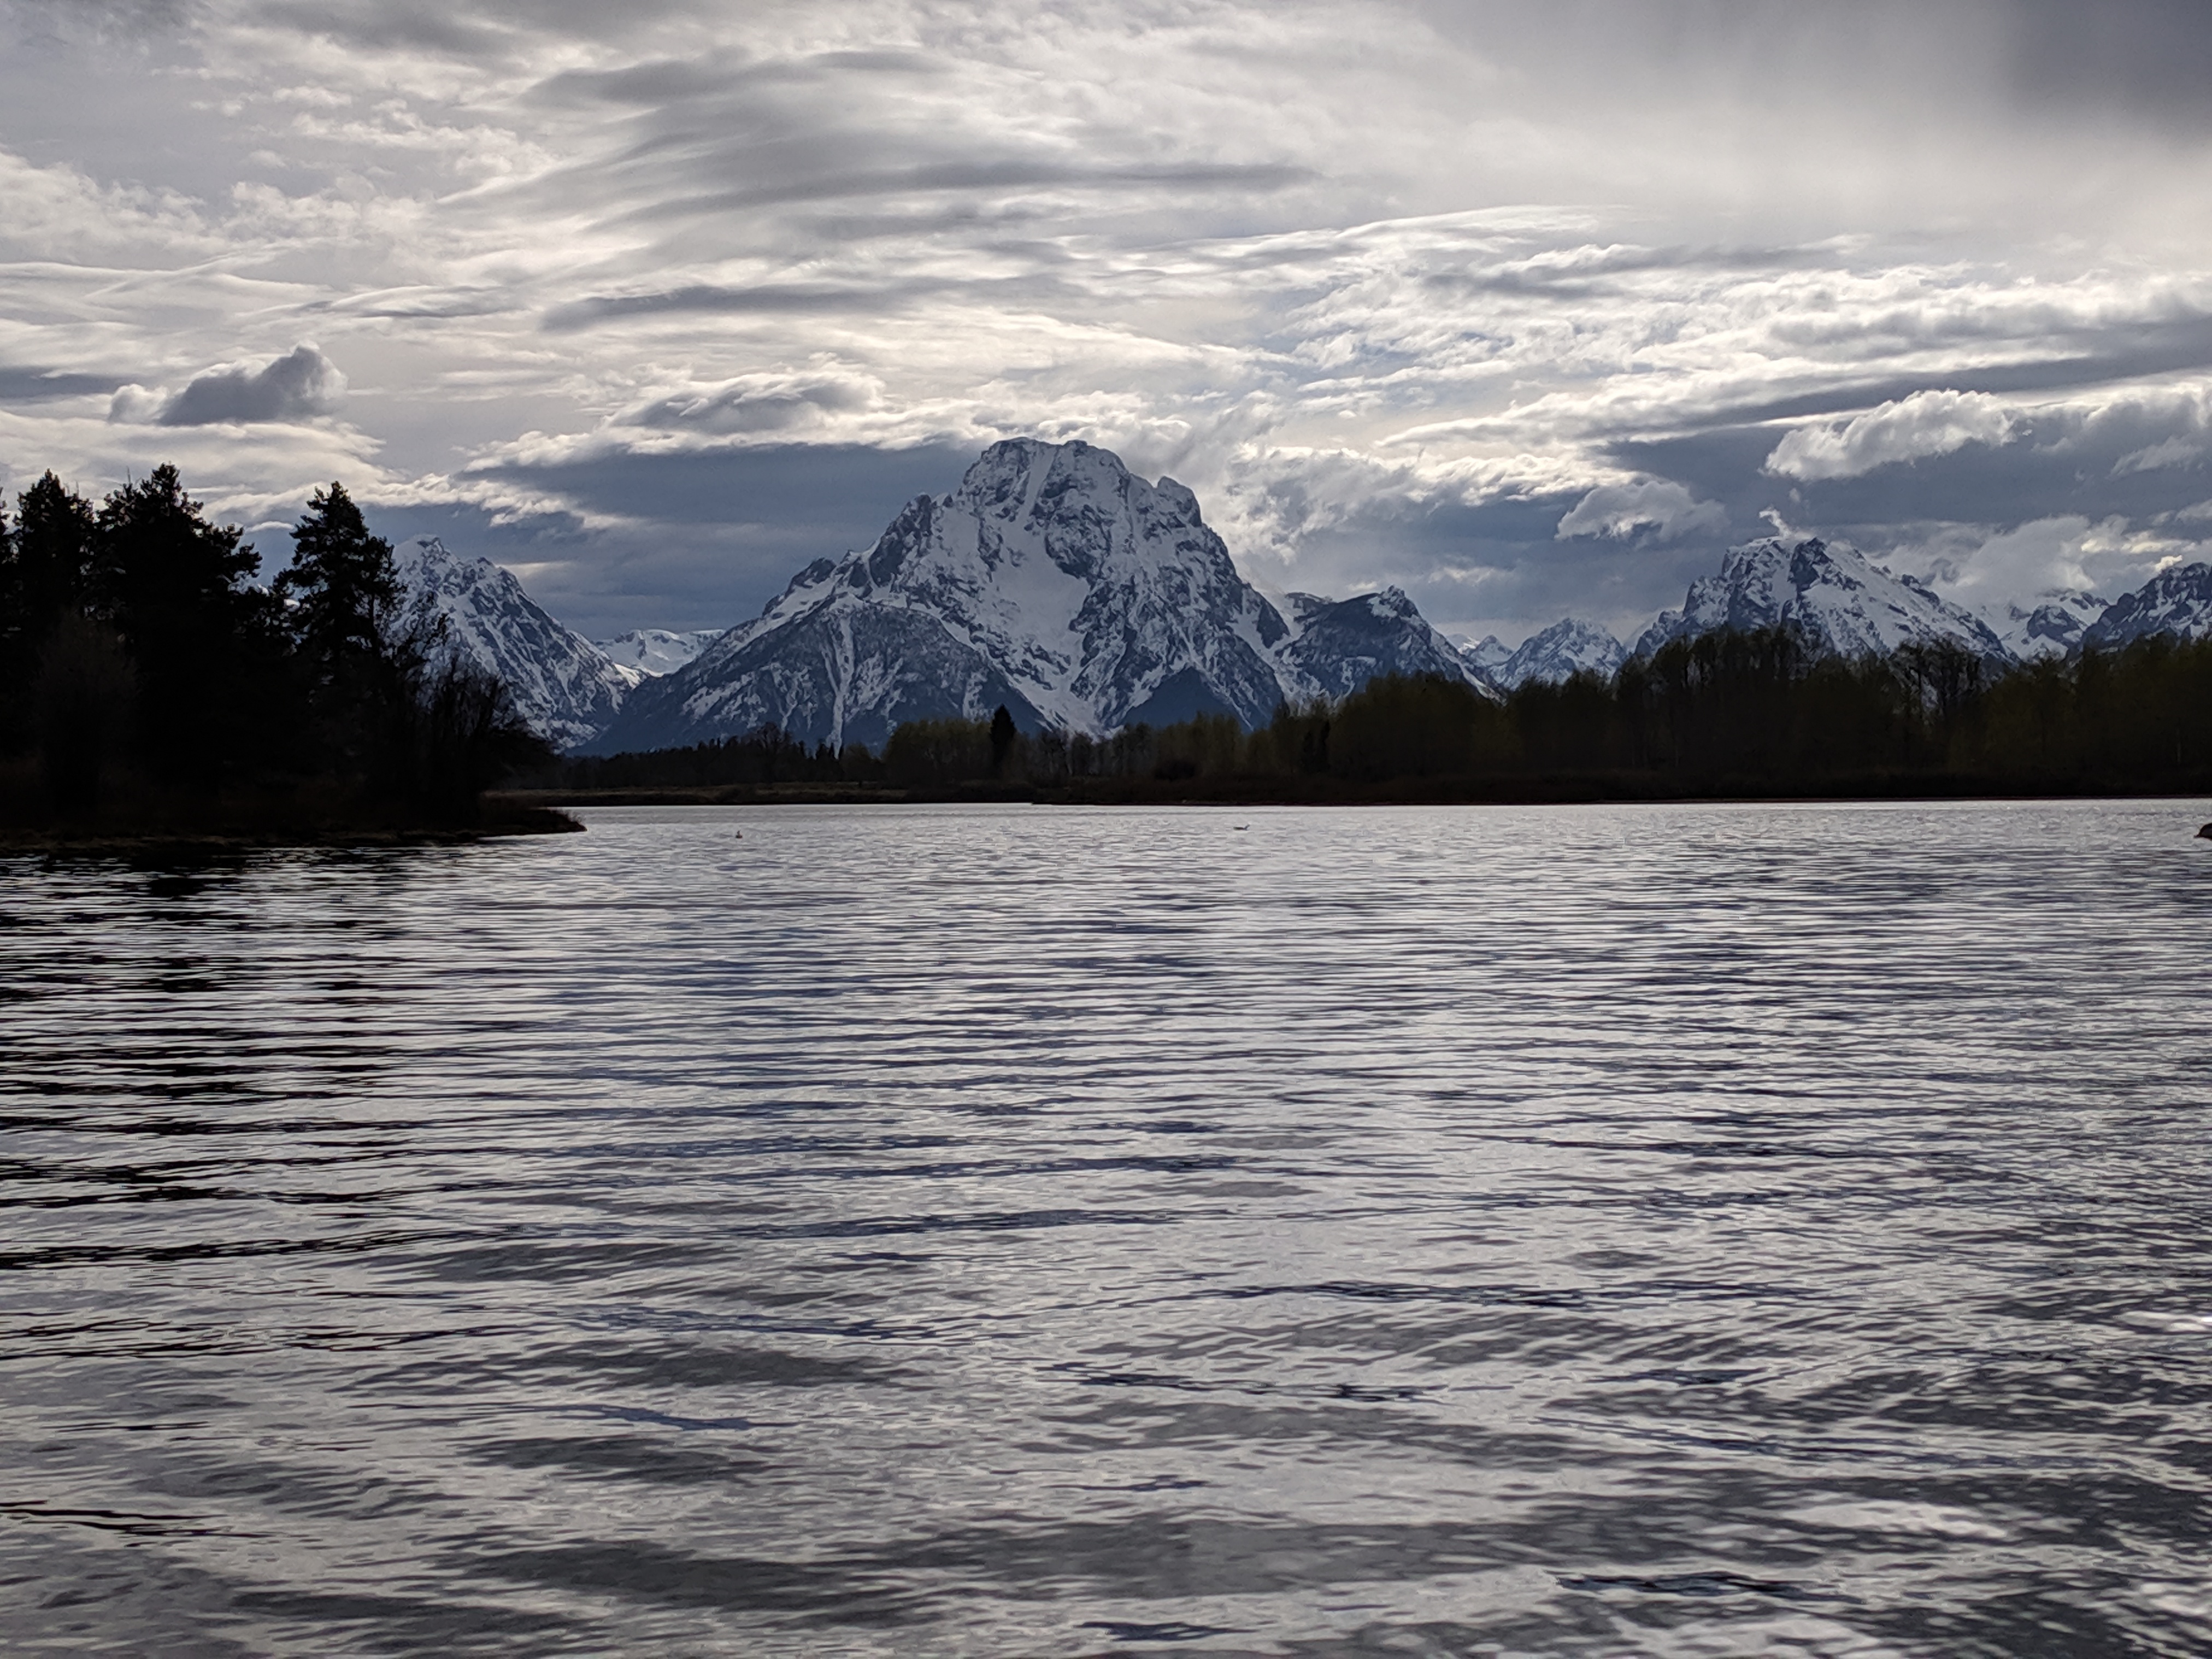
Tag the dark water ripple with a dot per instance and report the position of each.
(1673, 1231)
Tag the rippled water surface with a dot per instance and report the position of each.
(1031, 1230)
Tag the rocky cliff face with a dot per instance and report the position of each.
(1053, 581)
(1831, 593)
(562, 684)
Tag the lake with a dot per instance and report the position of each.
(1011, 1231)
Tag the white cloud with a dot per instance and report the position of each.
(2106, 556)
(2164, 453)
(1661, 506)
(1925, 425)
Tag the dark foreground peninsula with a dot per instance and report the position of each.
(1730, 715)
(151, 693)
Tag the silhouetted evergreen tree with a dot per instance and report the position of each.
(342, 591)
(49, 553)
(361, 658)
(208, 652)
(43, 559)
(1003, 733)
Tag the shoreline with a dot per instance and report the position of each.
(517, 817)
(1448, 791)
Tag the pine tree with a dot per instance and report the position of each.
(341, 604)
(42, 577)
(207, 654)
(51, 552)
(343, 590)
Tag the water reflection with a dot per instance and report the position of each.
(1005, 1231)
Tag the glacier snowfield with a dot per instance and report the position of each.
(1665, 1229)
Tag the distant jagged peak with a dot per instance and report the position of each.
(563, 686)
(2177, 602)
(1833, 594)
(656, 651)
(1489, 653)
(1568, 646)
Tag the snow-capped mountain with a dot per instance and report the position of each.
(2051, 627)
(562, 684)
(1566, 649)
(1489, 654)
(1831, 592)
(657, 651)
(1337, 646)
(1052, 580)
(2177, 602)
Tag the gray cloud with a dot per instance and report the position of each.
(769, 299)
(300, 384)
(988, 176)
(25, 385)
(688, 540)
(755, 404)
(1659, 506)
(2133, 55)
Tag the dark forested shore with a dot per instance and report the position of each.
(1729, 715)
(151, 691)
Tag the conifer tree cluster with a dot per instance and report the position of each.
(139, 659)
(1728, 712)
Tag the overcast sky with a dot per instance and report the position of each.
(1530, 308)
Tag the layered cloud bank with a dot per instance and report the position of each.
(1526, 310)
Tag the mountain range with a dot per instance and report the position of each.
(1052, 581)
(1057, 583)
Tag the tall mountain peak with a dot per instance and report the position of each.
(1050, 579)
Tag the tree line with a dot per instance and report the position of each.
(1732, 712)
(144, 673)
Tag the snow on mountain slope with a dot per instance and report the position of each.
(1337, 646)
(2051, 627)
(1566, 649)
(562, 684)
(2178, 601)
(1840, 601)
(1050, 580)
(656, 651)
(1489, 654)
